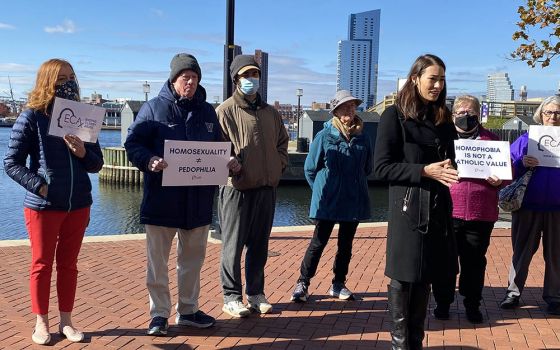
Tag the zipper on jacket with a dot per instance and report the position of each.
(71, 180)
(406, 198)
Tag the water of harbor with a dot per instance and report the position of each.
(115, 208)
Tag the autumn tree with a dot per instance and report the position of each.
(4, 110)
(542, 44)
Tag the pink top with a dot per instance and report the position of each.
(476, 199)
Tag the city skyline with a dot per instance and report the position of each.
(115, 50)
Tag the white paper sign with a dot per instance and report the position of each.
(479, 159)
(195, 163)
(544, 144)
(81, 119)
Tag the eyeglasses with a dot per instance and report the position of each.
(465, 114)
(551, 113)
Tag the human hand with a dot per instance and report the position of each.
(76, 145)
(234, 165)
(44, 190)
(157, 164)
(442, 171)
(494, 181)
(530, 162)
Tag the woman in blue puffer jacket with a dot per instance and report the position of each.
(337, 166)
(538, 216)
(58, 198)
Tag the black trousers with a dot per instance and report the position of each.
(473, 239)
(321, 235)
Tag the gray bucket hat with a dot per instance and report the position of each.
(342, 96)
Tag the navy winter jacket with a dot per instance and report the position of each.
(167, 118)
(337, 172)
(51, 163)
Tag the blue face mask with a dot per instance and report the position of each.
(249, 86)
(68, 90)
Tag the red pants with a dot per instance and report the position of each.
(61, 233)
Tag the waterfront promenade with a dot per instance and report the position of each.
(112, 305)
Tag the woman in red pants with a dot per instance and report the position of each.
(58, 198)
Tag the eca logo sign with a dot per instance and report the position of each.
(67, 117)
(547, 142)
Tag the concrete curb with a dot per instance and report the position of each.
(211, 235)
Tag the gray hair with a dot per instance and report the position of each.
(466, 99)
(555, 99)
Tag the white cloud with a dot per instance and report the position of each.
(6, 26)
(157, 12)
(67, 27)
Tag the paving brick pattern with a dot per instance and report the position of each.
(112, 304)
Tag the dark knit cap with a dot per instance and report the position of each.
(182, 61)
(241, 64)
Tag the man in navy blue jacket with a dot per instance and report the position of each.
(179, 112)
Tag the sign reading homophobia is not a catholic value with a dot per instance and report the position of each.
(195, 163)
(479, 159)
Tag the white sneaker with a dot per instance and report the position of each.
(339, 290)
(235, 308)
(259, 303)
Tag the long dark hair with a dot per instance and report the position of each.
(408, 99)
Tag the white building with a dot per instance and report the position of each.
(499, 88)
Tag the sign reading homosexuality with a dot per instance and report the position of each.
(80, 119)
(195, 163)
(544, 144)
(480, 158)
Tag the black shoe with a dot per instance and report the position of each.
(300, 293)
(441, 312)
(474, 315)
(510, 302)
(158, 326)
(199, 320)
(553, 308)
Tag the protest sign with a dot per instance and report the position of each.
(81, 119)
(195, 163)
(544, 144)
(480, 159)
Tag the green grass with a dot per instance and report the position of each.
(495, 122)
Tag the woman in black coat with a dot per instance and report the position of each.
(414, 153)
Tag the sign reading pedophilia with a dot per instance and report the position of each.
(544, 144)
(195, 163)
(81, 119)
(480, 159)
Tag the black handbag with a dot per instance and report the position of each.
(510, 197)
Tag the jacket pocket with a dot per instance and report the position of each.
(415, 208)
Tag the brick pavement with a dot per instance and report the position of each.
(112, 305)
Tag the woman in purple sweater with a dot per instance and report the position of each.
(475, 210)
(539, 216)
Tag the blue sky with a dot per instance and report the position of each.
(116, 46)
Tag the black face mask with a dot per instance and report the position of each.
(466, 122)
(68, 90)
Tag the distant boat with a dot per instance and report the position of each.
(7, 122)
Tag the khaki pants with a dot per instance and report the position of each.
(191, 250)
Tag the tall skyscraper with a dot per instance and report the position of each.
(236, 51)
(499, 88)
(358, 57)
(262, 59)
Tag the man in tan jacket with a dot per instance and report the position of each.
(247, 202)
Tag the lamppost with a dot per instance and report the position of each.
(299, 93)
(146, 89)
